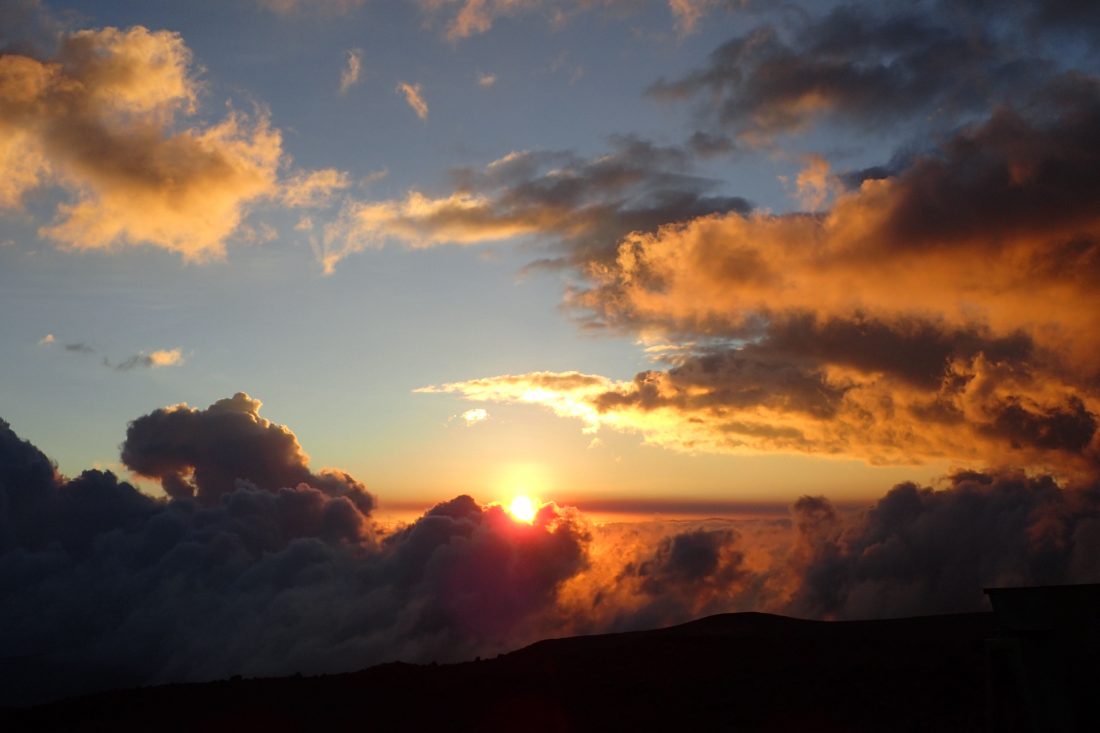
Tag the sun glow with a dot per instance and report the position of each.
(523, 508)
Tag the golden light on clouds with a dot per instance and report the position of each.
(101, 121)
(165, 358)
(422, 221)
(475, 415)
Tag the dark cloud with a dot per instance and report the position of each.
(587, 204)
(207, 453)
(870, 65)
(919, 551)
(79, 348)
(26, 27)
(105, 586)
(690, 558)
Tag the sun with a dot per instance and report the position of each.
(523, 508)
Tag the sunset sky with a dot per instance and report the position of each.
(267, 291)
(683, 258)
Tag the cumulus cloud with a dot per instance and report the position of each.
(587, 202)
(919, 551)
(353, 66)
(413, 97)
(185, 449)
(110, 587)
(103, 120)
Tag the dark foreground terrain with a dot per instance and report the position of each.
(730, 672)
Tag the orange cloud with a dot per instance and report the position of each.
(589, 202)
(421, 221)
(414, 98)
(314, 189)
(100, 121)
(949, 311)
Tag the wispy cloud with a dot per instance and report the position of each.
(154, 360)
(590, 202)
(486, 80)
(313, 189)
(157, 359)
(328, 7)
(467, 18)
(413, 97)
(353, 67)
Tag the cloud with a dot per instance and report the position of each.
(102, 120)
(474, 416)
(184, 448)
(919, 551)
(157, 359)
(154, 360)
(870, 66)
(568, 394)
(113, 588)
(467, 18)
(486, 80)
(326, 7)
(473, 17)
(141, 591)
(588, 203)
(412, 95)
(349, 77)
(914, 551)
(688, 13)
(815, 184)
(314, 189)
(898, 325)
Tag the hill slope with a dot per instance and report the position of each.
(729, 672)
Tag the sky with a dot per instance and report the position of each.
(336, 338)
(808, 293)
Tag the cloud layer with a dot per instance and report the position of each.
(262, 567)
